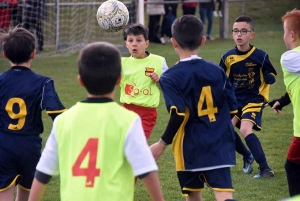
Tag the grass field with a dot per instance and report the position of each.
(275, 135)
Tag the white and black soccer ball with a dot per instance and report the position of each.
(112, 16)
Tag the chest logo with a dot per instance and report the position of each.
(148, 71)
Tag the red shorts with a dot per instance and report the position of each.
(294, 151)
(147, 114)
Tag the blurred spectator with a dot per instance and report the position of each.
(173, 7)
(189, 8)
(5, 12)
(206, 11)
(218, 12)
(17, 13)
(155, 10)
(168, 20)
(33, 17)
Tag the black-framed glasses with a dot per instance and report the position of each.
(242, 31)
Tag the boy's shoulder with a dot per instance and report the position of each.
(290, 58)
(29, 72)
(114, 109)
(156, 56)
(259, 51)
(180, 66)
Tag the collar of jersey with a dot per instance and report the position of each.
(97, 100)
(191, 58)
(243, 53)
(20, 68)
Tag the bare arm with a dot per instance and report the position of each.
(37, 191)
(152, 185)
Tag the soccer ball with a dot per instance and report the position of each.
(112, 16)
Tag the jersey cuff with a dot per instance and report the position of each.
(42, 177)
(172, 127)
(142, 176)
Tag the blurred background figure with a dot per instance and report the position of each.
(206, 12)
(33, 17)
(218, 12)
(189, 8)
(155, 10)
(168, 20)
(6, 7)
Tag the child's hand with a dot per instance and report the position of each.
(154, 77)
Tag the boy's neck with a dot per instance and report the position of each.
(110, 95)
(295, 45)
(243, 48)
(25, 64)
(183, 54)
(146, 54)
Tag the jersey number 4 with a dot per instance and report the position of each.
(21, 115)
(210, 110)
(90, 172)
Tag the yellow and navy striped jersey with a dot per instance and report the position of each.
(246, 72)
(23, 95)
(200, 91)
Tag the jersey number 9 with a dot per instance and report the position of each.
(21, 115)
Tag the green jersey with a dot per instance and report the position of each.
(136, 86)
(290, 61)
(97, 149)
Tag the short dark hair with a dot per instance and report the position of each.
(244, 18)
(136, 29)
(99, 66)
(188, 31)
(17, 45)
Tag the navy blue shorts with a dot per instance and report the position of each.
(217, 179)
(251, 112)
(19, 156)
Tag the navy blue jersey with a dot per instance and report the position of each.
(246, 72)
(23, 95)
(200, 91)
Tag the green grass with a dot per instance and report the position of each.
(277, 129)
(275, 135)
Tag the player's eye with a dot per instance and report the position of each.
(235, 31)
(244, 31)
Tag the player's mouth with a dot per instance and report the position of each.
(134, 50)
(239, 40)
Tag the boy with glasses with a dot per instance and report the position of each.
(251, 72)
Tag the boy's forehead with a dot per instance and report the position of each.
(241, 25)
(132, 36)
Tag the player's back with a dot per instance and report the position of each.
(101, 129)
(200, 80)
(206, 98)
(21, 101)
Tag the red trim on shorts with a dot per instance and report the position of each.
(147, 114)
(294, 151)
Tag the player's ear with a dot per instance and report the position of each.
(253, 34)
(203, 40)
(80, 81)
(147, 43)
(119, 80)
(32, 55)
(174, 42)
(293, 36)
(4, 55)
